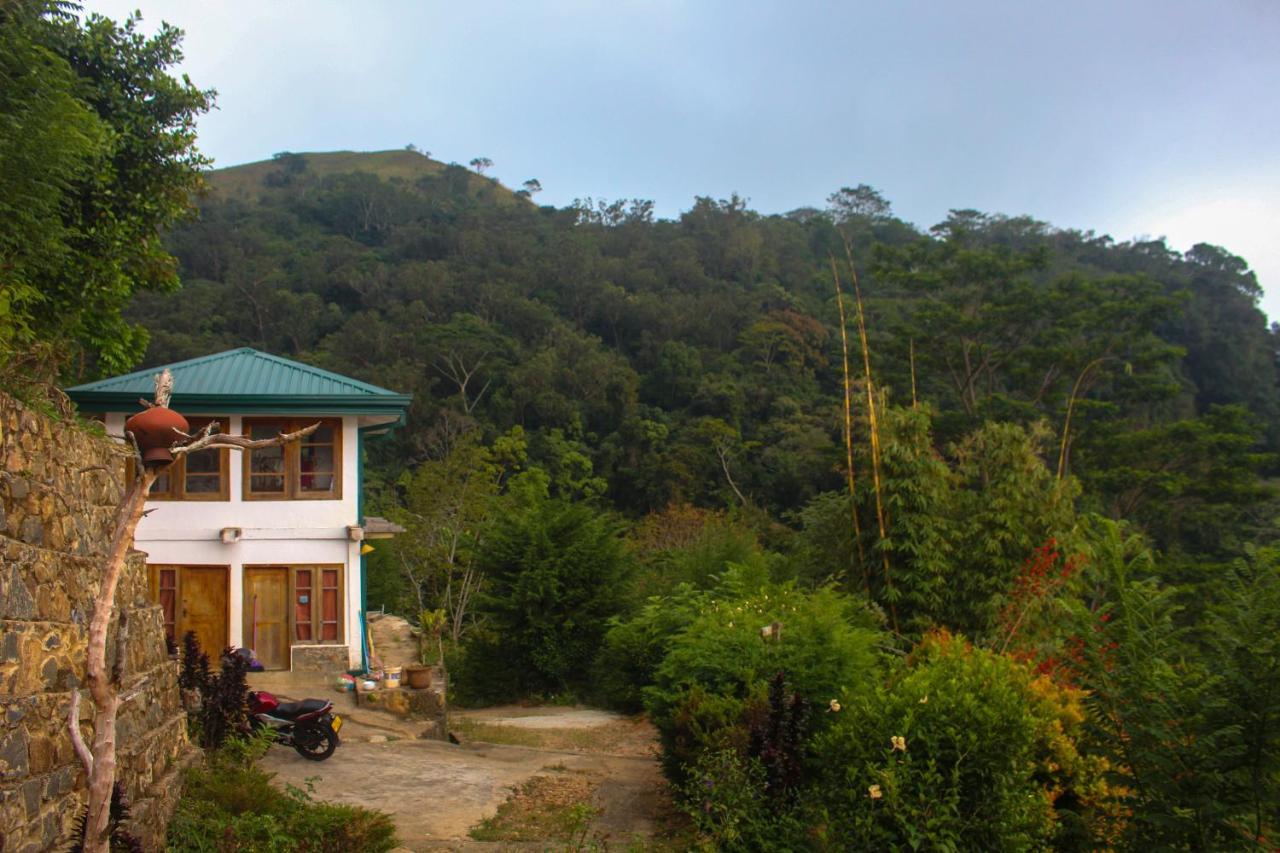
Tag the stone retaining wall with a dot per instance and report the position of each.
(428, 704)
(321, 660)
(58, 488)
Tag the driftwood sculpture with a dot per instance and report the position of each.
(104, 683)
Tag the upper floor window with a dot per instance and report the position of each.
(200, 476)
(306, 469)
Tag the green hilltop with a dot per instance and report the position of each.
(248, 182)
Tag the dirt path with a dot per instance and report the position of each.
(437, 792)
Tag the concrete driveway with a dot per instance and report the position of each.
(437, 791)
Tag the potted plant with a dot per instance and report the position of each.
(430, 644)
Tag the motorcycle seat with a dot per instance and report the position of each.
(297, 709)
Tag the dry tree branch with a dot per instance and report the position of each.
(190, 437)
(219, 439)
(77, 737)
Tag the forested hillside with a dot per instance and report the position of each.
(698, 360)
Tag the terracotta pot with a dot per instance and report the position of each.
(156, 430)
(418, 677)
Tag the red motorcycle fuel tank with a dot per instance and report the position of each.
(262, 702)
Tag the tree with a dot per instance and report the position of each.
(996, 336)
(49, 138)
(530, 188)
(448, 505)
(480, 164)
(860, 202)
(1194, 486)
(463, 352)
(556, 573)
(113, 141)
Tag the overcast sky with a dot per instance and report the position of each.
(1153, 118)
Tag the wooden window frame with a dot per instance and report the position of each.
(292, 461)
(177, 471)
(316, 604)
(153, 581)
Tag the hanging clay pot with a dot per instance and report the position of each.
(156, 430)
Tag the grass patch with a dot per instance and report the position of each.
(469, 729)
(545, 808)
(229, 804)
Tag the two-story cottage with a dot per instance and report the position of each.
(261, 549)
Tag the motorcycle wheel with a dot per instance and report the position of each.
(315, 743)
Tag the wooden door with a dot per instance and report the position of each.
(202, 606)
(266, 615)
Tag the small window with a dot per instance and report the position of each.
(304, 605)
(200, 476)
(317, 604)
(307, 469)
(166, 593)
(330, 605)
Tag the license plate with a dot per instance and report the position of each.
(337, 724)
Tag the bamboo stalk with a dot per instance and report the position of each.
(914, 402)
(1071, 405)
(875, 434)
(848, 425)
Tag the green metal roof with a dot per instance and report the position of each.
(243, 380)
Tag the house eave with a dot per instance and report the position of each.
(266, 404)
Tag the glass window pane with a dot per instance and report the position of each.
(267, 460)
(316, 465)
(315, 459)
(266, 484)
(317, 482)
(204, 462)
(203, 484)
(323, 435)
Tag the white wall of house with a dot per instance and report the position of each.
(272, 532)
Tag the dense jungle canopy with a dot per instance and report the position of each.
(698, 360)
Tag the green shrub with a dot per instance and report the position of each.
(633, 648)
(556, 573)
(720, 665)
(961, 749)
(230, 804)
(726, 797)
(1189, 723)
(745, 798)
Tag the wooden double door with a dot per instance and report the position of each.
(194, 598)
(290, 605)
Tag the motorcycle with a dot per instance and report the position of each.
(309, 726)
